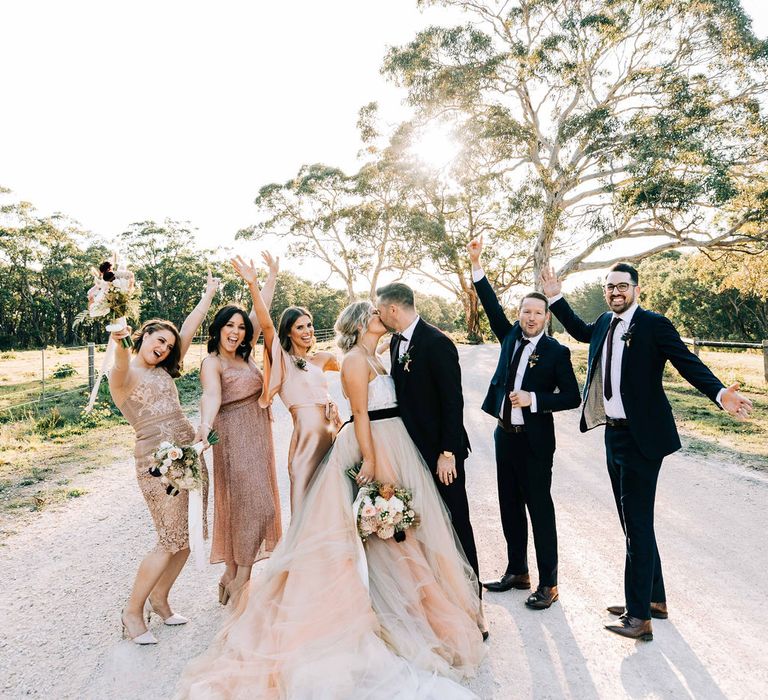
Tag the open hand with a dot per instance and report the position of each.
(474, 248)
(273, 264)
(550, 285)
(246, 270)
(738, 405)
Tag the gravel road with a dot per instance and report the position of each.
(65, 575)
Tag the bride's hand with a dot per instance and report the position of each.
(367, 470)
(245, 270)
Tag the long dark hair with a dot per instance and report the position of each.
(220, 320)
(287, 319)
(172, 363)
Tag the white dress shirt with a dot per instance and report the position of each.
(516, 417)
(407, 334)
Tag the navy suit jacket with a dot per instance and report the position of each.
(652, 341)
(429, 394)
(550, 375)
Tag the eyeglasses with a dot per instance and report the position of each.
(620, 287)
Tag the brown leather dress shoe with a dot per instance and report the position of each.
(520, 581)
(633, 628)
(658, 610)
(542, 598)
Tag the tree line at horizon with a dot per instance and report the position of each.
(46, 264)
(583, 130)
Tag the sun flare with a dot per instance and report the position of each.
(436, 146)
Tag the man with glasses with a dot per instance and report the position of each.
(628, 348)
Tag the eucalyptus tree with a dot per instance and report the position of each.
(630, 122)
(353, 224)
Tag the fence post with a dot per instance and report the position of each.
(42, 363)
(765, 360)
(695, 347)
(91, 365)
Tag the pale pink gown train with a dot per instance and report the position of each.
(330, 618)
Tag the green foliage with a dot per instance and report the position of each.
(64, 370)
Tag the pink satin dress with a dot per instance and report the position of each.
(305, 394)
(246, 516)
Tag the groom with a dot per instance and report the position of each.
(425, 368)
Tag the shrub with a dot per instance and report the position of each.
(63, 371)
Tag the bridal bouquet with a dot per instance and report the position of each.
(382, 509)
(116, 295)
(178, 466)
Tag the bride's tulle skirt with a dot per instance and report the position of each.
(330, 618)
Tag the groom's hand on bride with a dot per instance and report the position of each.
(446, 468)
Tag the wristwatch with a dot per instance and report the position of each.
(446, 453)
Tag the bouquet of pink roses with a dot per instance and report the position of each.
(383, 510)
(178, 466)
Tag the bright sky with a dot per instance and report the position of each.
(121, 112)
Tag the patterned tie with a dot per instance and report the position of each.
(607, 384)
(506, 414)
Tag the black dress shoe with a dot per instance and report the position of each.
(658, 610)
(520, 581)
(542, 598)
(633, 628)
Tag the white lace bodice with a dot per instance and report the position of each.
(381, 392)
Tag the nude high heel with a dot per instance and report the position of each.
(172, 620)
(142, 639)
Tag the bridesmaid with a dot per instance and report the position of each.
(246, 510)
(294, 373)
(144, 391)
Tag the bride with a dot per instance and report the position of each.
(330, 617)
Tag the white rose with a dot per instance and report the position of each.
(381, 503)
(165, 445)
(175, 453)
(395, 504)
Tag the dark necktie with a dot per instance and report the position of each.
(506, 415)
(608, 386)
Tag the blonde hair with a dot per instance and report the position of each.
(354, 317)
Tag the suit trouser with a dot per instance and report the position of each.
(634, 478)
(455, 498)
(525, 479)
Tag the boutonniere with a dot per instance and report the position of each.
(300, 362)
(532, 360)
(405, 360)
(627, 335)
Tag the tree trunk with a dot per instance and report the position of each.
(543, 247)
(472, 316)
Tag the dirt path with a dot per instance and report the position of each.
(66, 574)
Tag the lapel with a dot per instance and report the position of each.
(412, 348)
(540, 350)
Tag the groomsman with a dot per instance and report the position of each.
(533, 378)
(628, 348)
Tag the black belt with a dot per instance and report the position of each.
(511, 428)
(617, 422)
(378, 414)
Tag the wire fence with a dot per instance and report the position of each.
(30, 378)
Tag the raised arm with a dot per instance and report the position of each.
(498, 320)
(354, 380)
(194, 320)
(118, 375)
(247, 271)
(210, 401)
(267, 291)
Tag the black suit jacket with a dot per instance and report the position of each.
(429, 394)
(550, 376)
(652, 341)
